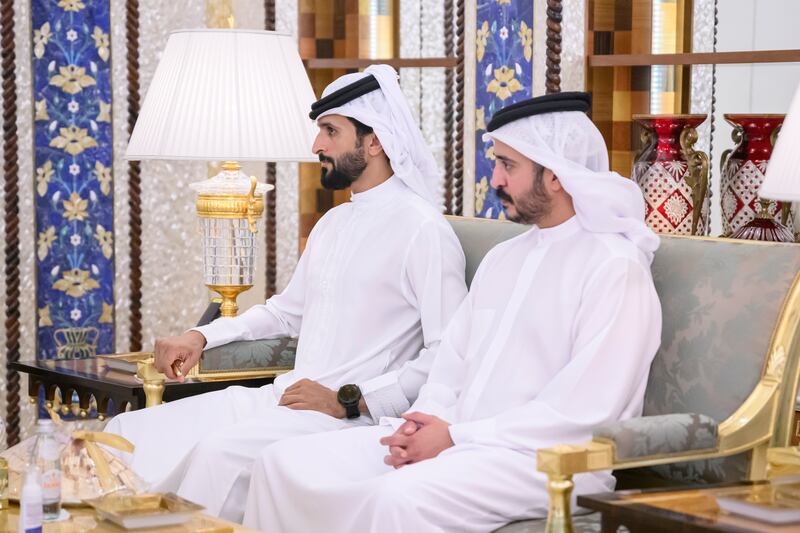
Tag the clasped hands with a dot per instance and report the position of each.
(420, 437)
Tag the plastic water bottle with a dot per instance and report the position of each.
(48, 460)
(30, 501)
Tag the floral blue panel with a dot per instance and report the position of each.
(73, 183)
(503, 76)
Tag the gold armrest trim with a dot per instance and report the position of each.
(783, 462)
(222, 375)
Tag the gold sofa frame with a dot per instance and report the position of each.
(764, 420)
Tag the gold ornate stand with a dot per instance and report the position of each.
(229, 293)
(153, 382)
(783, 462)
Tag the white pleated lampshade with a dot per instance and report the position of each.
(782, 181)
(237, 95)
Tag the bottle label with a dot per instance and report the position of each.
(51, 485)
(31, 517)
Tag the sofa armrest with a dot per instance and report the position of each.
(253, 358)
(659, 435)
(749, 428)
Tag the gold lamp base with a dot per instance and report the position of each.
(229, 307)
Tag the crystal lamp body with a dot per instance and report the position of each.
(230, 207)
(229, 251)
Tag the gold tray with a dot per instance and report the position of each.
(135, 511)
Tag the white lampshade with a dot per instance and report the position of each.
(236, 95)
(782, 181)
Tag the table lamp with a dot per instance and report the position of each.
(227, 95)
(782, 180)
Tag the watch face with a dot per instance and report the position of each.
(349, 394)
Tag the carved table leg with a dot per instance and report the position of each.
(559, 516)
(153, 382)
(33, 389)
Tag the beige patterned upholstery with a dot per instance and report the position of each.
(264, 355)
(479, 235)
(721, 300)
(659, 435)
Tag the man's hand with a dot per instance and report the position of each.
(181, 352)
(420, 437)
(307, 395)
(398, 440)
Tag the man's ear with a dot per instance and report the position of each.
(551, 182)
(374, 148)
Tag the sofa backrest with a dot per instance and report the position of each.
(721, 300)
(479, 235)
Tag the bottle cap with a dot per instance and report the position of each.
(45, 424)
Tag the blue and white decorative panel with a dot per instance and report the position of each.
(503, 75)
(74, 208)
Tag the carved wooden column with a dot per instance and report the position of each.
(134, 176)
(11, 203)
(553, 76)
(449, 122)
(272, 197)
(458, 163)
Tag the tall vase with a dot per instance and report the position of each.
(673, 175)
(742, 170)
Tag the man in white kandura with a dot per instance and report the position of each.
(554, 338)
(379, 280)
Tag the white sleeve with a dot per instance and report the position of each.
(434, 269)
(617, 333)
(448, 372)
(439, 394)
(280, 316)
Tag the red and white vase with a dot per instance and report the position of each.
(673, 175)
(742, 171)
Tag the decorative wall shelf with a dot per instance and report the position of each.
(354, 63)
(708, 58)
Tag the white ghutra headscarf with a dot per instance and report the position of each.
(386, 111)
(571, 146)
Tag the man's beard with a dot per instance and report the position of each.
(344, 171)
(532, 207)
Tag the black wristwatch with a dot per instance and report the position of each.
(349, 396)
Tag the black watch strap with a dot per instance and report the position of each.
(352, 411)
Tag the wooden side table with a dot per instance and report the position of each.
(113, 390)
(84, 520)
(687, 510)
